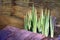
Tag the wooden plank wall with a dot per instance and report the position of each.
(14, 14)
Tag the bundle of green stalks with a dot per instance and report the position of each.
(42, 25)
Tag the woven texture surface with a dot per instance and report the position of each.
(12, 33)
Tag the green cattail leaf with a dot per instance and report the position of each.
(47, 27)
(29, 20)
(39, 26)
(42, 21)
(47, 22)
(34, 19)
(51, 27)
(26, 23)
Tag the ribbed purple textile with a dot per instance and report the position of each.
(12, 33)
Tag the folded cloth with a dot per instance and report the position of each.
(12, 33)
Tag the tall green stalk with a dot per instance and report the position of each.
(26, 23)
(42, 17)
(34, 20)
(47, 22)
(51, 27)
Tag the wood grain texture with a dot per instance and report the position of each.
(18, 13)
(8, 20)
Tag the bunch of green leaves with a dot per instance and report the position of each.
(42, 25)
(45, 23)
(30, 21)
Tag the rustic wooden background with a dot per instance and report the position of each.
(13, 12)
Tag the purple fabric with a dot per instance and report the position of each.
(12, 33)
(7, 32)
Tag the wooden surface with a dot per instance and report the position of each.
(10, 20)
(14, 14)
